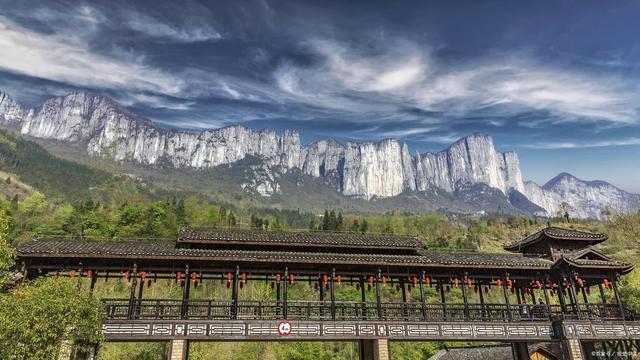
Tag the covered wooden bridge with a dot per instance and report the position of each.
(544, 290)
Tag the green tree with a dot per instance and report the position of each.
(6, 253)
(36, 318)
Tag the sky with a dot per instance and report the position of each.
(555, 81)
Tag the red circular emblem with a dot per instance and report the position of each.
(284, 328)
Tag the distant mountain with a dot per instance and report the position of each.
(366, 170)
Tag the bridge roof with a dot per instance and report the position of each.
(158, 250)
(556, 233)
(242, 237)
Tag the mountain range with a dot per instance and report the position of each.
(364, 170)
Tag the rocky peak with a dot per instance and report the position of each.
(10, 110)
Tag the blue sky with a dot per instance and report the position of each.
(556, 81)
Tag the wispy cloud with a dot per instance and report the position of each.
(69, 60)
(585, 144)
(164, 29)
(346, 77)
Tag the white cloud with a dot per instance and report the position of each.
(585, 144)
(67, 59)
(347, 78)
(156, 28)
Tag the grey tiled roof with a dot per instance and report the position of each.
(557, 233)
(167, 250)
(239, 236)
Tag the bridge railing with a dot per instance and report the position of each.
(174, 309)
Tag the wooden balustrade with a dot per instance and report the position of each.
(173, 309)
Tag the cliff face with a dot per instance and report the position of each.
(470, 160)
(364, 170)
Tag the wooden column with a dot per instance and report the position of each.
(185, 293)
(378, 294)
(614, 282)
(465, 298)
(322, 293)
(285, 312)
(442, 299)
(234, 294)
(533, 294)
(573, 294)
(584, 295)
(94, 278)
(482, 307)
(422, 304)
(506, 298)
(278, 312)
(404, 297)
(363, 298)
(132, 294)
(602, 296)
(563, 304)
(546, 296)
(333, 295)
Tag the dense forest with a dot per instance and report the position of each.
(43, 196)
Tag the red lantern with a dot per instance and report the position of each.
(538, 284)
(468, 282)
(179, 276)
(291, 278)
(414, 280)
(72, 273)
(384, 280)
(339, 279)
(580, 282)
(456, 282)
(605, 282)
(509, 283)
(325, 279)
(427, 281)
(370, 280)
(194, 276)
(126, 276)
(244, 277)
(89, 274)
(499, 283)
(277, 278)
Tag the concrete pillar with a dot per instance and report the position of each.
(573, 350)
(374, 349)
(520, 350)
(178, 349)
(66, 349)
